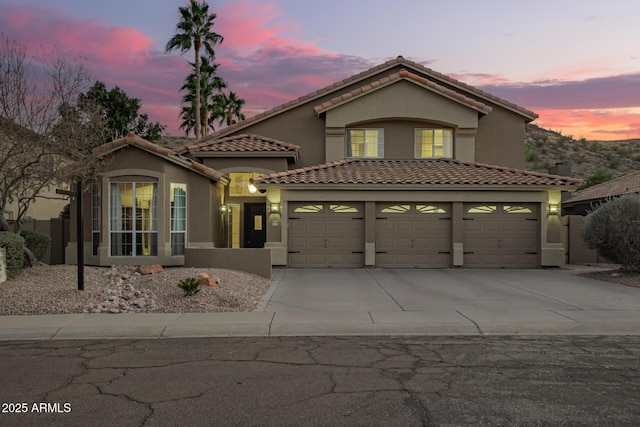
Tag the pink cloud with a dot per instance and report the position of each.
(249, 26)
(608, 124)
(115, 46)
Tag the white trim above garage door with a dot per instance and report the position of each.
(326, 234)
(413, 235)
(501, 235)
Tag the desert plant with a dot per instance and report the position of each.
(13, 244)
(37, 243)
(190, 286)
(614, 229)
(599, 177)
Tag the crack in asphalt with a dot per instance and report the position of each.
(412, 380)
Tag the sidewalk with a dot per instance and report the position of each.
(437, 323)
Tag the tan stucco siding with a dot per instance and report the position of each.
(298, 126)
(399, 109)
(500, 139)
(403, 100)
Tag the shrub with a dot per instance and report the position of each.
(13, 244)
(599, 177)
(190, 286)
(39, 244)
(614, 229)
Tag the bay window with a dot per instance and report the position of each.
(133, 218)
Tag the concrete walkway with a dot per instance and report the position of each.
(380, 302)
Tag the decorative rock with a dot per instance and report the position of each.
(149, 269)
(122, 296)
(204, 279)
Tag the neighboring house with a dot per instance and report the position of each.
(583, 201)
(398, 166)
(47, 203)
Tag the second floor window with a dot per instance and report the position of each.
(433, 143)
(367, 143)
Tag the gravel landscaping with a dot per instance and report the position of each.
(118, 289)
(621, 277)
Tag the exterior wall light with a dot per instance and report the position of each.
(554, 209)
(252, 188)
(275, 207)
(223, 208)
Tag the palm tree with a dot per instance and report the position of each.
(229, 108)
(210, 86)
(195, 31)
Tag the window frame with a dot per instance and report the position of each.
(418, 144)
(178, 247)
(95, 218)
(379, 143)
(135, 235)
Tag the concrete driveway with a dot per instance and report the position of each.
(458, 301)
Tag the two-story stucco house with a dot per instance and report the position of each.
(396, 167)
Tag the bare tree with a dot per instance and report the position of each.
(45, 135)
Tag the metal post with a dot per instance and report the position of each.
(80, 238)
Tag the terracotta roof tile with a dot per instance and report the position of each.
(246, 142)
(135, 140)
(415, 172)
(626, 184)
(400, 60)
(402, 75)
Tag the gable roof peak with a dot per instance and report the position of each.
(434, 76)
(134, 140)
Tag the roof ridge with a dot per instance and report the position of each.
(363, 74)
(248, 135)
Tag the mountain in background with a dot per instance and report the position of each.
(544, 148)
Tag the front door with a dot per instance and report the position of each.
(255, 225)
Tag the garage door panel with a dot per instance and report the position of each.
(498, 235)
(410, 238)
(326, 235)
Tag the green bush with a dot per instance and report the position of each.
(614, 229)
(13, 244)
(599, 177)
(190, 286)
(39, 244)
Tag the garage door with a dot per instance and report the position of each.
(500, 235)
(326, 235)
(413, 235)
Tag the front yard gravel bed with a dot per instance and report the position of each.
(53, 290)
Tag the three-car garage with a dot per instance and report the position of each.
(412, 234)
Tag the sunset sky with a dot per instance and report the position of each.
(576, 63)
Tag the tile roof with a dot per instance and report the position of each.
(245, 143)
(400, 60)
(402, 75)
(414, 172)
(616, 187)
(136, 141)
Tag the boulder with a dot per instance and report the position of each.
(149, 269)
(205, 279)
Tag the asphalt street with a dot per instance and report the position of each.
(287, 381)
